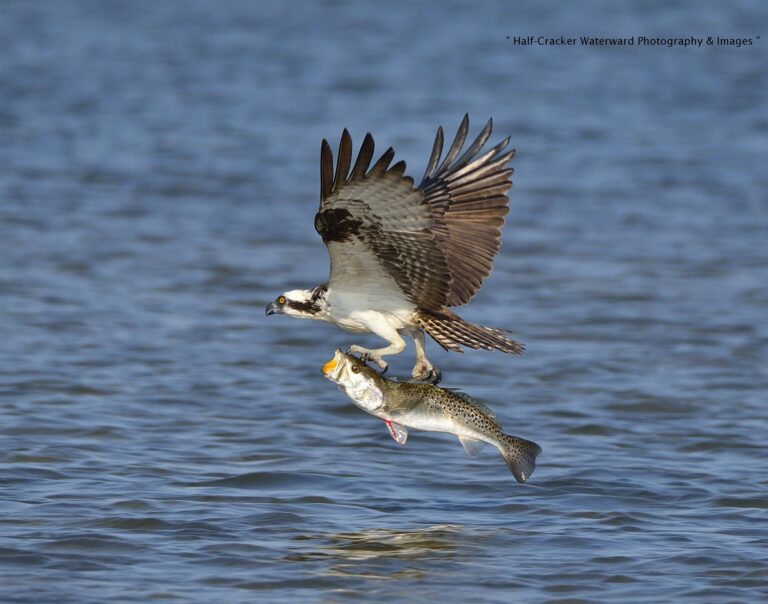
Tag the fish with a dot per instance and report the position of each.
(425, 406)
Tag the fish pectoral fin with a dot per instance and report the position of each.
(471, 446)
(398, 432)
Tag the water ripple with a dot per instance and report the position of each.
(163, 440)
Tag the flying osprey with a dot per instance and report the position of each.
(402, 255)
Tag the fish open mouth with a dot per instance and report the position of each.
(329, 366)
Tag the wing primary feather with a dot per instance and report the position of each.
(475, 147)
(364, 157)
(458, 143)
(398, 168)
(383, 162)
(437, 151)
(479, 163)
(344, 159)
(483, 180)
(326, 169)
(482, 176)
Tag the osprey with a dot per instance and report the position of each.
(401, 255)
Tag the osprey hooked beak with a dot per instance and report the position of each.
(273, 309)
(276, 307)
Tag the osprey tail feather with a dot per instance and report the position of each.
(450, 331)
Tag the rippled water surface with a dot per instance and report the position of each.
(162, 439)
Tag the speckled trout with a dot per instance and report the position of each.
(404, 405)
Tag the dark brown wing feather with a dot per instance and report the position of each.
(469, 200)
(376, 226)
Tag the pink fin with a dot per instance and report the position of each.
(398, 432)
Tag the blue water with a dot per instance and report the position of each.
(163, 440)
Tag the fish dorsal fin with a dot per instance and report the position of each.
(398, 432)
(471, 446)
(485, 409)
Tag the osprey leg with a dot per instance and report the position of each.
(385, 331)
(423, 370)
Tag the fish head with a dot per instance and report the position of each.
(360, 382)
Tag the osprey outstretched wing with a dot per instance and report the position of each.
(376, 226)
(401, 255)
(469, 201)
(435, 243)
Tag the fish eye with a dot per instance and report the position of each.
(281, 300)
(355, 368)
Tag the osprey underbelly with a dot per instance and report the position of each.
(365, 321)
(359, 311)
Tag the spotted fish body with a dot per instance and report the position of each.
(427, 407)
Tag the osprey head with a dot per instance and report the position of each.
(302, 303)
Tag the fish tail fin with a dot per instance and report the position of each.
(520, 455)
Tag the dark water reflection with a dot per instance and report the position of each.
(162, 440)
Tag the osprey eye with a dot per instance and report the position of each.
(355, 368)
(281, 300)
